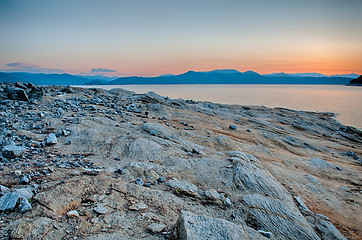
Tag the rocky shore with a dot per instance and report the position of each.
(95, 164)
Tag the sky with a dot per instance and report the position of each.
(150, 38)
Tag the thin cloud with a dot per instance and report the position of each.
(102, 70)
(21, 67)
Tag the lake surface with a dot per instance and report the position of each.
(345, 101)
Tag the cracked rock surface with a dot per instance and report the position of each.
(97, 164)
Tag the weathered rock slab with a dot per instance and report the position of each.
(197, 227)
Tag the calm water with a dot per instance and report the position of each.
(342, 100)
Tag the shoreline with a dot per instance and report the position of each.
(101, 163)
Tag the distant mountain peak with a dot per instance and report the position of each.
(222, 71)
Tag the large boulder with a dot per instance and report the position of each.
(197, 227)
(15, 93)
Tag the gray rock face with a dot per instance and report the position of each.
(158, 130)
(144, 150)
(12, 151)
(276, 212)
(198, 227)
(183, 187)
(17, 94)
(325, 229)
(51, 139)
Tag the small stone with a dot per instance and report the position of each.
(100, 209)
(183, 187)
(121, 171)
(51, 139)
(156, 227)
(161, 179)
(24, 205)
(138, 207)
(249, 130)
(140, 182)
(212, 194)
(24, 180)
(73, 213)
(147, 184)
(227, 202)
(153, 133)
(265, 234)
(232, 127)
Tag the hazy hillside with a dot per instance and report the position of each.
(223, 76)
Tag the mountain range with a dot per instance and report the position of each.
(218, 76)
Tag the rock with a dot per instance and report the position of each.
(232, 127)
(3, 190)
(51, 139)
(36, 93)
(21, 85)
(351, 154)
(212, 194)
(301, 205)
(24, 205)
(138, 206)
(145, 150)
(324, 228)
(16, 94)
(67, 89)
(73, 214)
(100, 209)
(24, 180)
(26, 192)
(156, 227)
(158, 130)
(139, 182)
(161, 179)
(190, 226)
(183, 187)
(265, 234)
(12, 151)
(8, 201)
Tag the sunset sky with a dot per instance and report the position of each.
(149, 38)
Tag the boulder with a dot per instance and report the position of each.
(8, 201)
(36, 93)
(12, 151)
(51, 139)
(197, 227)
(183, 187)
(15, 93)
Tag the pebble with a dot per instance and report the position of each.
(51, 139)
(265, 234)
(73, 213)
(138, 207)
(140, 182)
(161, 179)
(100, 209)
(232, 127)
(24, 180)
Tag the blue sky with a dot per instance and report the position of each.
(142, 37)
